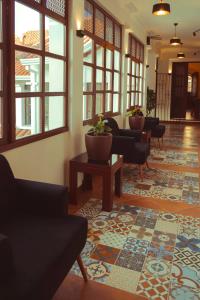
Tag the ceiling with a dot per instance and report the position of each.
(184, 12)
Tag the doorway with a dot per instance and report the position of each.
(185, 96)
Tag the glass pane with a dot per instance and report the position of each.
(137, 84)
(128, 65)
(108, 81)
(116, 82)
(133, 84)
(27, 72)
(88, 49)
(54, 75)
(27, 114)
(99, 103)
(133, 68)
(115, 103)
(54, 112)
(137, 70)
(99, 23)
(140, 98)
(57, 6)
(54, 36)
(128, 101)
(1, 71)
(88, 17)
(117, 60)
(87, 79)
(109, 30)
(99, 56)
(140, 88)
(1, 37)
(128, 83)
(99, 80)
(108, 102)
(87, 107)
(109, 56)
(1, 118)
(133, 99)
(141, 70)
(27, 26)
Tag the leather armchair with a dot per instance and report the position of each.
(127, 143)
(157, 130)
(39, 241)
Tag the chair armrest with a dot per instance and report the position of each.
(6, 260)
(123, 144)
(137, 134)
(42, 199)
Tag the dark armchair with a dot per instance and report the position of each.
(127, 143)
(157, 130)
(39, 242)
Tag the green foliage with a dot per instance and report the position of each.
(151, 101)
(135, 111)
(100, 128)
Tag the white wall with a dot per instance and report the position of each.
(48, 160)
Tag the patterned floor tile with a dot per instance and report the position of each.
(186, 257)
(163, 184)
(162, 252)
(164, 238)
(118, 227)
(157, 267)
(94, 235)
(129, 260)
(153, 288)
(191, 243)
(142, 233)
(184, 275)
(113, 240)
(189, 231)
(167, 227)
(145, 222)
(123, 279)
(105, 253)
(97, 270)
(189, 159)
(168, 217)
(178, 292)
(136, 246)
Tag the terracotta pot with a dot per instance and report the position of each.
(136, 122)
(98, 146)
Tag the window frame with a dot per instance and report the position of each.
(9, 140)
(137, 60)
(105, 44)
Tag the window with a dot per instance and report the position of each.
(135, 76)
(37, 64)
(102, 63)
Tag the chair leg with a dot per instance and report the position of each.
(159, 143)
(82, 268)
(147, 164)
(141, 172)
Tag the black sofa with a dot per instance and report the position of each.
(127, 143)
(157, 129)
(39, 242)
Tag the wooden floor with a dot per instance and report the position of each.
(73, 287)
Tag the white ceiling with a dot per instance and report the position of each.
(184, 12)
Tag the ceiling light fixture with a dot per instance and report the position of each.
(175, 40)
(181, 54)
(161, 9)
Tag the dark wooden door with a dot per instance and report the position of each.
(179, 90)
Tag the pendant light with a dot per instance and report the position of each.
(161, 9)
(180, 53)
(175, 40)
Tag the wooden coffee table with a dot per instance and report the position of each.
(107, 170)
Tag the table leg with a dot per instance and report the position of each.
(87, 182)
(118, 182)
(73, 185)
(107, 204)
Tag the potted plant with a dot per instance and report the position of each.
(98, 141)
(151, 100)
(136, 118)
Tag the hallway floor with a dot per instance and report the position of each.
(177, 192)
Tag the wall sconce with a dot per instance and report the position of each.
(195, 32)
(147, 66)
(127, 55)
(80, 33)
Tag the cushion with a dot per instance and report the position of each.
(42, 249)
